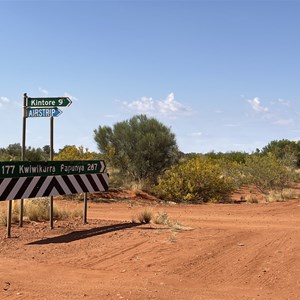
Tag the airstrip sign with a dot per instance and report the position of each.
(43, 112)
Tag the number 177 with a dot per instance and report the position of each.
(8, 169)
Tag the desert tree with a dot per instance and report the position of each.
(267, 173)
(140, 148)
(285, 150)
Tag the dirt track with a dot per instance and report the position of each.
(231, 252)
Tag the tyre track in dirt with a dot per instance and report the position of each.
(232, 252)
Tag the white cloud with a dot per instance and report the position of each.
(171, 106)
(45, 92)
(110, 116)
(168, 107)
(3, 100)
(231, 125)
(143, 105)
(73, 98)
(197, 134)
(284, 102)
(255, 104)
(284, 121)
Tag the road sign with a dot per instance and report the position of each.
(43, 112)
(49, 102)
(44, 186)
(13, 169)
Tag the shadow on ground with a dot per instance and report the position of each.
(83, 234)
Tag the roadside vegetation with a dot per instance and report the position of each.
(142, 154)
(38, 209)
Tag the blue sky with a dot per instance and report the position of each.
(223, 75)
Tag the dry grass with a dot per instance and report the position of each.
(278, 196)
(14, 213)
(145, 216)
(38, 209)
(251, 198)
(162, 218)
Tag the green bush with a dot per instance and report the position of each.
(267, 173)
(198, 180)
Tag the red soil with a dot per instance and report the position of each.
(224, 251)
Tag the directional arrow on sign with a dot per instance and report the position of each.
(43, 112)
(102, 166)
(49, 102)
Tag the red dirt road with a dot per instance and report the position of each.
(231, 251)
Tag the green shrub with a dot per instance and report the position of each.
(198, 180)
(267, 173)
(233, 170)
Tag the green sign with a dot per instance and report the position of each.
(49, 102)
(9, 169)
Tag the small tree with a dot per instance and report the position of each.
(140, 148)
(286, 151)
(267, 173)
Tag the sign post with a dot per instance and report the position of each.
(85, 208)
(37, 107)
(47, 107)
(23, 155)
(9, 210)
(51, 159)
(25, 179)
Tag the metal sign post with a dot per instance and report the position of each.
(51, 159)
(24, 179)
(23, 153)
(85, 208)
(47, 107)
(9, 218)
